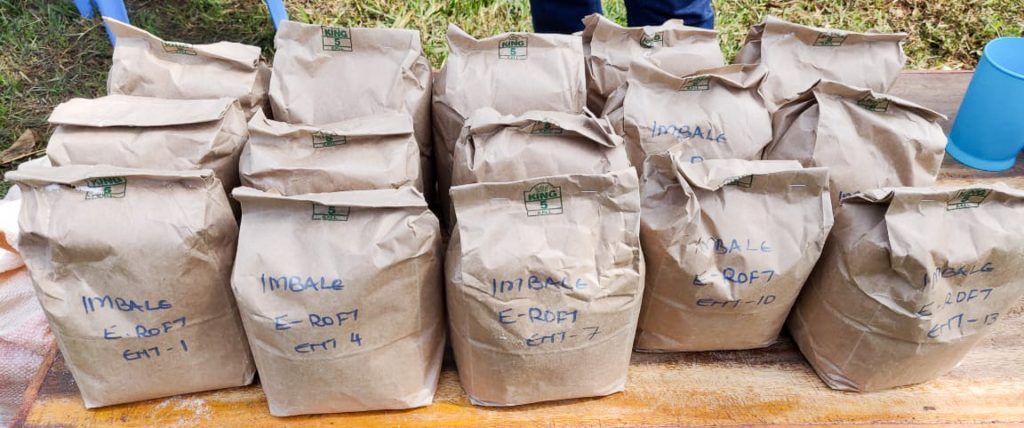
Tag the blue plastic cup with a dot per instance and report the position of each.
(989, 129)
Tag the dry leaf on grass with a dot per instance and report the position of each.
(20, 148)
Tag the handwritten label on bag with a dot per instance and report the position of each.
(559, 325)
(687, 132)
(332, 324)
(963, 309)
(147, 340)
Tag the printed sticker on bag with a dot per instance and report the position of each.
(329, 213)
(336, 39)
(698, 83)
(967, 198)
(512, 47)
(323, 140)
(740, 181)
(178, 48)
(544, 127)
(543, 199)
(106, 187)
(649, 41)
(830, 39)
(878, 105)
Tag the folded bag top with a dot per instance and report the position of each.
(320, 72)
(496, 147)
(512, 73)
(150, 133)
(867, 140)
(610, 49)
(136, 111)
(376, 198)
(370, 152)
(714, 113)
(796, 56)
(76, 174)
(146, 65)
(325, 74)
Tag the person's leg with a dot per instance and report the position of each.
(695, 13)
(561, 16)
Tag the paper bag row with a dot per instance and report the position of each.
(629, 74)
(595, 65)
(545, 278)
(867, 140)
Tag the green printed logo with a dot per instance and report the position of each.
(649, 41)
(698, 83)
(105, 187)
(323, 139)
(336, 39)
(740, 181)
(326, 213)
(544, 127)
(967, 198)
(543, 199)
(513, 47)
(869, 102)
(830, 39)
(179, 48)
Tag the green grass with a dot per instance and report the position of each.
(51, 54)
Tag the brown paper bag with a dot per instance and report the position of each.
(512, 73)
(866, 139)
(147, 66)
(140, 132)
(796, 56)
(325, 75)
(132, 269)
(341, 298)
(371, 152)
(545, 278)
(610, 49)
(728, 244)
(713, 114)
(910, 280)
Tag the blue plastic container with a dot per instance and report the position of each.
(277, 12)
(989, 129)
(112, 8)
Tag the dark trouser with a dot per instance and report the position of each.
(564, 16)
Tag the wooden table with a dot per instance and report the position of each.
(766, 386)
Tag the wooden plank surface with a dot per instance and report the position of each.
(767, 386)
